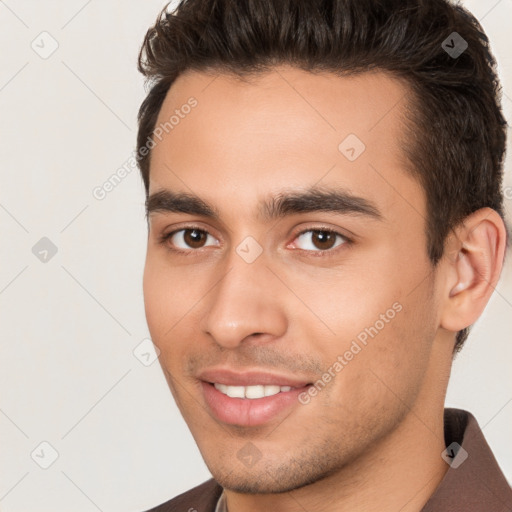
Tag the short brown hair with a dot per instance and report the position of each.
(457, 132)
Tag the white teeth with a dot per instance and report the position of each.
(272, 390)
(252, 392)
(235, 391)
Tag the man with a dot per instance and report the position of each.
(326, 222)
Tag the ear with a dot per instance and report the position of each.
(474, 259)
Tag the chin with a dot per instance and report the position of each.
(273, 480)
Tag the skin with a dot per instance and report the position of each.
(372, 438)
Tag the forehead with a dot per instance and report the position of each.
(281, 129)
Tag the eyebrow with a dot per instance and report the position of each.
(315, 199)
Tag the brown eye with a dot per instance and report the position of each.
(324, 239)
(189, 238)
(194, 238)
(319, 240)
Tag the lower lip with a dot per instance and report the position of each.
(248, 412)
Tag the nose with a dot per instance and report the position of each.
(246, 301)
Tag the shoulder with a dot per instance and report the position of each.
(202, 498)
(474, 481)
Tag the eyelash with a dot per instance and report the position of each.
(163, 240)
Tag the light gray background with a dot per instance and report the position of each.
(68, 374)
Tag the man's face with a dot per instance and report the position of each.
(255, 297)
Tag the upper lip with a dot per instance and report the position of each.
(249, 378)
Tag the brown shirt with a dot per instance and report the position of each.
(472, 484)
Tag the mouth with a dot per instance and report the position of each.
(250, 399)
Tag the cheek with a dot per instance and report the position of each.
(382, 324)
(166, 290)
(164, 298)
(172, 302)
(380, 296)
(346, 302)
(352, 294)
(155, 301)
(390, 369)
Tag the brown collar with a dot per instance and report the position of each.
(477, 484)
